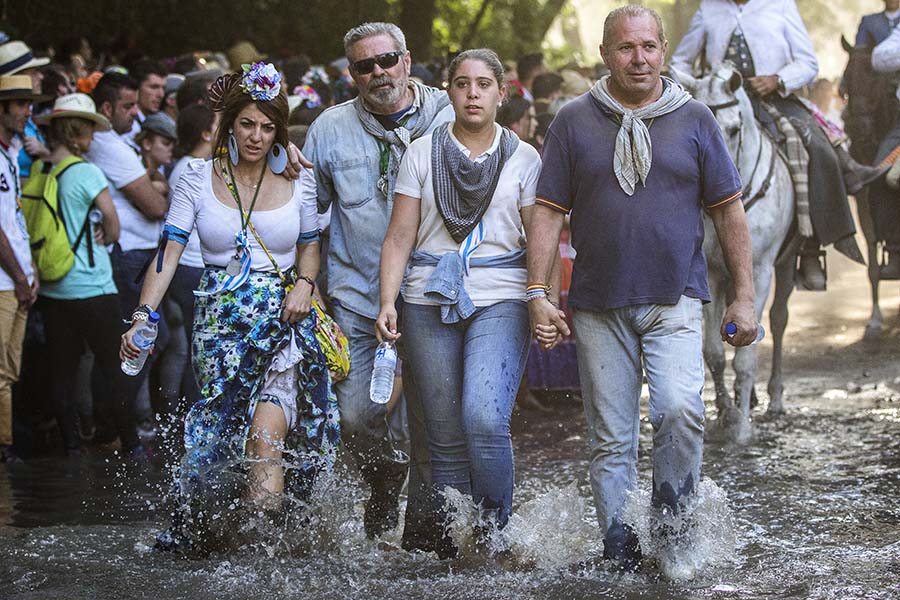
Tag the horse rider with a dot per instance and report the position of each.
(875, 28)
(768, 43)
(885, 202)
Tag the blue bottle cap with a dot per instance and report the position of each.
(153, 317)
(730, 328)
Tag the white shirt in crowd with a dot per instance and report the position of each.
(122, 165)
(775, 34)
(12, 222)
(503, 232)
(886, 55)
(194, 205)
(191, 257)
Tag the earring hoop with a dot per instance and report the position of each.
(277, 158)
(233, 155)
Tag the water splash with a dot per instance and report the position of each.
(700, 536)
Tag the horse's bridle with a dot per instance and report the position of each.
(748, 202)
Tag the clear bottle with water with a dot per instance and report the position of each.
(383, 374)
(731, 329)
(144, 337)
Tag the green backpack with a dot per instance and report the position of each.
(53, 256)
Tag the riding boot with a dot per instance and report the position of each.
(810, 274)
(857, 176)
(890, 268)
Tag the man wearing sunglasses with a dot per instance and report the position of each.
(356, 148)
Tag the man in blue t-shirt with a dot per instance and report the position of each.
(636, 162)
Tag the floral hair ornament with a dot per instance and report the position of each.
(307, 94)
(261, 80)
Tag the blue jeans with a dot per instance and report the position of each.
(468, 374)
(364, 429)
(614, 347)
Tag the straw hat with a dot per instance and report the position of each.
(18, 87)
(242, 53)
(75, 105)
(16, 56)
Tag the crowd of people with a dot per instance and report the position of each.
(230, 195)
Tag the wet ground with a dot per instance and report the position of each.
(809, 509)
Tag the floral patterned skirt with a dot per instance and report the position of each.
(238, 336)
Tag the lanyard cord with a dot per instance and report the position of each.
(232, 187)
(385, 156)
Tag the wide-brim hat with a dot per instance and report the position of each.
(243, 53)
(75, 105)
(18, 87)
(16, 56)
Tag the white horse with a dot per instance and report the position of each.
(769, 202)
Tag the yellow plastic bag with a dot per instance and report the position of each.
(333, 342)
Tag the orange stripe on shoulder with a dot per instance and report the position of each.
(553, 205)
(726, 200)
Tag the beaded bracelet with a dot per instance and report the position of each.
(141, 313)
(308, 280)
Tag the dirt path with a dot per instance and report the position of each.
(825, 355)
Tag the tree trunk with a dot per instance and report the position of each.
(416, 18)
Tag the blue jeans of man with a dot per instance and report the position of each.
(365, 430)
(468, 374)
(614, 348)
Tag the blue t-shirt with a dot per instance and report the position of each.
(646, 248)
(79, 185)
(25, 159)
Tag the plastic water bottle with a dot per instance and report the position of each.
(731, 329)
(383, 374)
(143, 338)
(95, 216)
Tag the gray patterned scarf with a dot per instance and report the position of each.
(634, 150)
(463, 188)
(429, 102)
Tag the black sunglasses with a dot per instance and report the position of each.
(385, 61)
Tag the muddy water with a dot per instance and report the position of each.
(809, 509)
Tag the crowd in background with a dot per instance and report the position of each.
(157, 109)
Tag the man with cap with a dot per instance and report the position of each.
(356, 147)
(16, 58)
(18, 284)
(156, 140)
(141, 207)
(174, 81)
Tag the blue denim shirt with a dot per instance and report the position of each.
(347, 168)
(446, 287)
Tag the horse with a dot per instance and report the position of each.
(870, 113)
(769, 203)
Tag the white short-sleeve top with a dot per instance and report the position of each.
(194, 205)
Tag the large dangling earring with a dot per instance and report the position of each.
(233, 148)
(277, 158)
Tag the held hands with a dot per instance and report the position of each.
(386, 324)
(297, 303)
(743, 315)
(547, 323)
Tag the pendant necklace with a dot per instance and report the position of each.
(233, 268)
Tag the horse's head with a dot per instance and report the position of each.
(721, 90)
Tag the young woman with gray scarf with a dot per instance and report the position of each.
(462, 205)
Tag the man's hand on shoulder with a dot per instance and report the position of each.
(296, 161)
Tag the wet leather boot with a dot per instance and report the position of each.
(385, 480)
(890, 269)
(810, 274)
(857, 176)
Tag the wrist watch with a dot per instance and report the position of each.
(781, 88)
